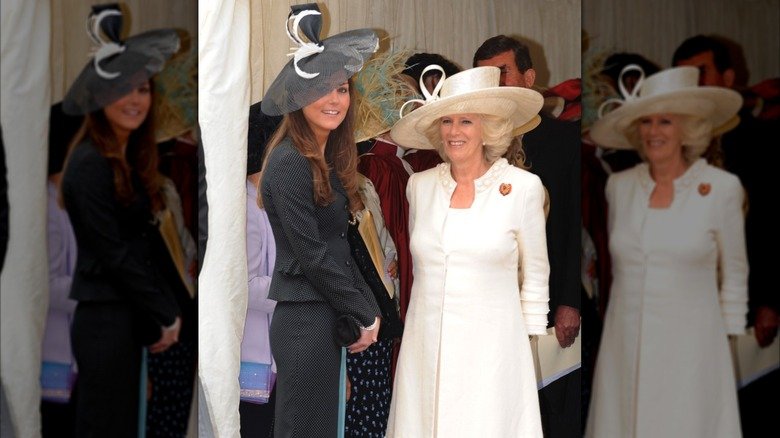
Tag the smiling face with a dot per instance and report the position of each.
(326, 113)
(129, 112)
(661, 136)
(462, 137)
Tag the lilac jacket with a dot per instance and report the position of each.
(261, 256)
(62, 263)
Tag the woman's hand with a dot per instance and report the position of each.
(169, 337)
(367, 337)
(392, 269)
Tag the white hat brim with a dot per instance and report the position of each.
(718, 105)
(520, 105)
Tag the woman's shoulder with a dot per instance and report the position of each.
(720, 176)
(520, 175)
(86, 151)
(722, 184)
(428, 176)
(432, 172)
(632, 173)
(522, 178)
(285, 159)
(283, 151)
(85, 160)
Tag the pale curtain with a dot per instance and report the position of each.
(24, 99)
(655, 28)
(452, 28)
(223, 93)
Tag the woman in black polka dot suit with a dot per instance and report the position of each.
(308, 187)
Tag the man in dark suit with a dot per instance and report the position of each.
(552, 151)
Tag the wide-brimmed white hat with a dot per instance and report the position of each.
(676, 91)
(472, 91)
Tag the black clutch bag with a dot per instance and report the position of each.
(346, 331)
(391, 326)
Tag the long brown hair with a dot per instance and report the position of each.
(340, 151)
(140, 155)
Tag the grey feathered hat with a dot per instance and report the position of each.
(318, 66)
(117, 67)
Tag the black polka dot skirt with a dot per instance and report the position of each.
(369, 404)
(307, 362)
(172, 377)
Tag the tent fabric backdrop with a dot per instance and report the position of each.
(223, 92)
(24, 114)
(633, 27)
(452, 28)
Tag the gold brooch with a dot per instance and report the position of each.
(505, 188)
(704, 189)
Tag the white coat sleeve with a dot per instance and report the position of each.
(532, 246)
(730, 235)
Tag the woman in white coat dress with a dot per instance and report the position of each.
(465, 367)
(678, 263)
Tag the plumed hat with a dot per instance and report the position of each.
(117, 67)
(381, 92)
(318, 66)
(176, 93)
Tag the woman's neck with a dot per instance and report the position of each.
(122, 137)
(468, 172)
(665, 172)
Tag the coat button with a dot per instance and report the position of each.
(346, 207)
(343, 235)
(348, 263)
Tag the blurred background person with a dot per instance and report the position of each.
(676, 237)
(740, 148)
(111, 190)
(172, 373)
(742, 151)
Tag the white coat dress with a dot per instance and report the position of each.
(664, 367)
(465, 367)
